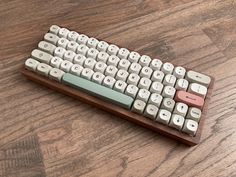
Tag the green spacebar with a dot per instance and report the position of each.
(98, 90)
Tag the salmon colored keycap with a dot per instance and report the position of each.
(189, 99)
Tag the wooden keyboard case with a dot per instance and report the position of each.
(124, 113)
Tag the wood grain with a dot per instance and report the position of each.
(71, 138)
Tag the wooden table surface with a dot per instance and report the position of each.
(44, 133)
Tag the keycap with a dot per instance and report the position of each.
(167, 68)
(123, 53)
(168, 104)
(102, 46)
(76, 69)
(102, 56)
(56, 74)
(144, 60)
(120, 86)
(144, 83)
(156, 64)
(92, 42)
(66, 65)
(168, 91)
(197, 89)
(194, 114)
(31, 64)
(98, 90)
(69, 55)
(156, 87)
(177, 121)
(163, 116)
(63, 32)
(52, 38)
(190, 127)
(181, 109)
(109, 81)
(82, 39)
(143, 95)
(112, 49)
(79, 59)
(62, 42)
(189, 99)
(98, 77)
(155, 99)
(72, 35)
(54, 29)
(146, 72)
(135, 68)
(131, 90)
(181, 84)
(157, 76)
(122, 75)
(194, 76)
(124, 64)
(133, 79)
(56, 62)
(41, 56)
(151, 111)
(87, 73)
(43, 69)
(138, 106)
(133, 57)
(179, 72)
(59, 52)
(72, 45)
(112, 60)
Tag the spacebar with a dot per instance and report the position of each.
(98, 90)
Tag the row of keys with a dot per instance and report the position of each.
(122, 53)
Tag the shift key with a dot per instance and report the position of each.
(189, 99)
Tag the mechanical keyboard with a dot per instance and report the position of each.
(171, 100)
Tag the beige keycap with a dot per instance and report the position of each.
(76, 69)
(54, 29)
(203, 79)
(62, 42)
(113, 60)
(55, 62)
(102, 56)
(131, 90)
(138, 106)
(163, 116)
(98, 77)
(43, 69)
(156, 64)
(56, 74)
(144, 60)
(169, 80)
(120, 86)
(63, 32)
(52, 38)
(89, 63)
(82, 39)
(92, 42)
(122, 75)
(179, 72)
(133, 79)
(69, 55)
(100, 67)
(79, 59)
(72, 36)
(155, 99)
(102, 46)
(124, 64)
(181, 109)
(135, 68)
(156, 87)
(123, 53)
(168, 104)
(41, 56)
(194, 114)
(59, 52)
(112, 49)
(133, 57)
(146, 72)
(87, 73)
(176, 121)
(72, 45)
(181, 84)
(31, 64)
(197, 89)
(190, 127)
(111, 71)
(168, 92)
(82, 49)
(143, 95)
(109, 81)
(144, 83)
(157, 76)
(66, 65)
(92, 53)
(167, 68)
(151, 111)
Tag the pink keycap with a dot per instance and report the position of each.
(189, 99)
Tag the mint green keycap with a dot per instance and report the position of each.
(98, 90)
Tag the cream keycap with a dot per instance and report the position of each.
(31, 64)
(138, 106)
(151, 111)
(43, 69)
(163, 116)
(181, 109)
(190, 127)
(194, 114)
(41, 56)
(176, 121)
(197, 89)
(56, 74)
(203, 79)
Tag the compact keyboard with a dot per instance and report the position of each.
(169, 99)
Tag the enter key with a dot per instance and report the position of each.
(189, 99)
